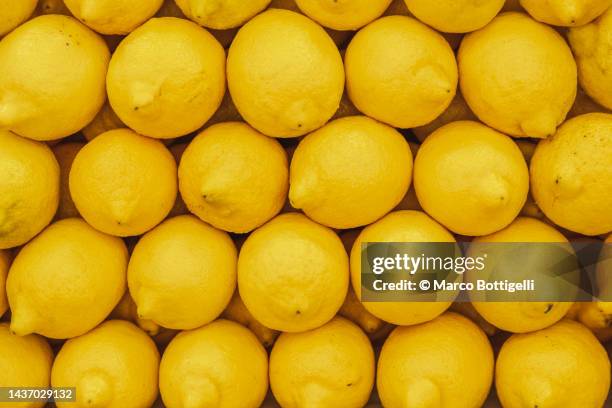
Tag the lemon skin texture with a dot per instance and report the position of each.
(113, 16)
(29, 188)
(293, 273)
(452, 16)
(201, 280)
(399, 226)
(400, 72)
(518, 76)
(565, 13)
(25, 361)
(343, 14)
(284, 85)
(521, 317)
(52, 72)
(123, 183)
(571, 176)
(486, 193)
(563, 365)
(113, 366)
(331, 366)
(239, 189)
(336, 176)
(591, 45)
(221, 14)
(445, 362)
(219, 365)
(54, 278)
(65, 154)
(166, 78)
(15, 13)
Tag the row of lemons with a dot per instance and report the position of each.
(98, 248)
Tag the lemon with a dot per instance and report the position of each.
(237, 312)
(354, 311)
(126, 309)
(591, 45)
(343, 14)
(199, 285)
(221, 14)
(240, 189)
(293, 273)
(29, 188)
(486, 193)
(219, 365)
(65, 154)
(15, 13)
(65, 281)
(25, 362)
(284, 85)
(521, 317)
(518, 76)
(113, 366)
(113, 16)
(571, 176)
(336, 176)
(399, 226)
(52, 72)
(5, 262)
(123, 183)
(166, 78)
(565, 13)
(457, 110)
(400, 71)
(452, 16)
(442, 363)
(561, 366)
(331, 366)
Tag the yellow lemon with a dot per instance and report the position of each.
(400, 71)
(29, 189)
(331, 366)
(561, 366)
(237, 312)
(452, 16)
(293, 273)
(25, 362)
(14, 13)
(122, 183)
(104, 121)
(337, 177)
(442, 363)
(5, 262)
(343, 14)
(571, 176)
(287, 84)
(400, 226)
(126, 309)
(354, 310)
(66, 281)
(167, 78)
(221, 14)
(521, 317)
(52, 72)
(240, 189)
(486, 193)
(457, 110)
(113, 366)
(200, 283)
(113, 16)
(565, 13)
(591, 45)
(518, 76)
(219, 365)
(65, 154)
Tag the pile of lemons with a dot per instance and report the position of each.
(185, 187)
